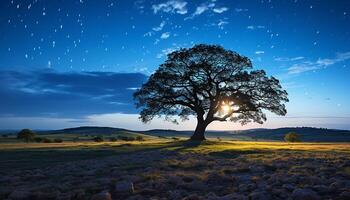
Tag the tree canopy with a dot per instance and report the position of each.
(292, 137)
(26, 135)
(211, 83)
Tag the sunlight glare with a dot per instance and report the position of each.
(226, 108)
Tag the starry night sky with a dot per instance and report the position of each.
(77, 62)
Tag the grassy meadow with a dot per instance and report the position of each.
(16, 154)
(171, 168)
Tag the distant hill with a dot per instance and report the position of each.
(88, 130)
(95, 130)
(307, 134)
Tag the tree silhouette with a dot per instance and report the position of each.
(292, 137)
(26, 134)
(212, 84)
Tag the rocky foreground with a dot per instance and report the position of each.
(166, 174)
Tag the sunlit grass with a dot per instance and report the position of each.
(30, 155)
(73, 145)
(213, 146)
(183, 145)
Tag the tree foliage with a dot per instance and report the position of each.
(98, 139)
(26, 134)
(292, 137)
(204, 79)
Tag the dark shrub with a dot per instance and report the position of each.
(58, 140)
(175, 138)
(38, 139)
(113, 139)
(125, 138)
(26, 134)
(76, 139)
(139, 138)
(120, 137)
(292, 137)
(5, 136)
(46, 140)
(98, 139)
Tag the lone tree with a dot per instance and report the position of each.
(26, 134)
(292, 137)
(212, 84)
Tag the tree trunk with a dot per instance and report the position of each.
(199, 132)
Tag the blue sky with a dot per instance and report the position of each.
(70, 63)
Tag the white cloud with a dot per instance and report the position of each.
(172, 6)
(206, 7)
(286, 59)
(143, 70)
(343, 56)
(241, 10)
(251, 27)
(325, 62)
(156, 41)
(165, 35)
(160, 27)
(166, 52)
(133, 88)
(220, 10)
(319, 64)
(302, 67)
(132, 122)
(202, 8)
(148, 34)
(222, 23)
(339, 58)
(155, 29)
(139, 4)
(259, 52)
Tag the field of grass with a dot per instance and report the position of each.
(21, 155)
(31, 155)
(209, 147)
(158, 165)
(79, 137)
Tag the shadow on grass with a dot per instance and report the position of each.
(35, 158)
(187, 144)
(12, 160)
(42, 157)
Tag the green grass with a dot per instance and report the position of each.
(21, 155)
(33, 155)
(69, 137)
